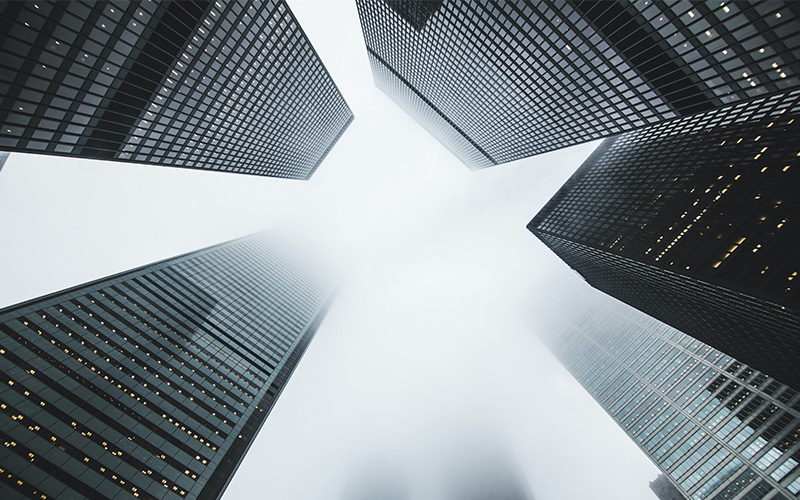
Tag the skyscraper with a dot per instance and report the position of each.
(694, 221)
(664, 489)
(225, 85)
(716, 427)
(482, 471)
(496, 81)
(152, 383)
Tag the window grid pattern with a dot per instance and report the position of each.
(741, 325)
(152, 384)
(704, 418)
(693, 221)
(229, 85)
(519, 78)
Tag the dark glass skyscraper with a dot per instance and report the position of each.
(496, 81)
(221, 85)
(717, 428)
(152, 383)
(695, 221)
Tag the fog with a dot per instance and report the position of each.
(432, 338)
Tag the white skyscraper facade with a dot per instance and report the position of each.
(716, 427)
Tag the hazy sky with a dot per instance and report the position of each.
(430, 338)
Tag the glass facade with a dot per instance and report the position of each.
(153, 383)
(665, 490)
(693, 221)
(496, 81)
(716, 427)
(227, 85)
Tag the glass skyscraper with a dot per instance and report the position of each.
(664, 489)
(152, 383)
(224, 85)
(496, 81)
(716, 427)
(694, 221)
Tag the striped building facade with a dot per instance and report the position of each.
(717, 428)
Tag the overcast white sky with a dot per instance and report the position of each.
(426, 340)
